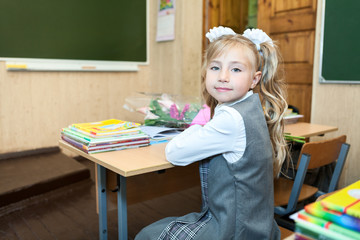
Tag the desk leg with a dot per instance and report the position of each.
(122, 208)
(101, 184)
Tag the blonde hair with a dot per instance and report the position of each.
(272, 87)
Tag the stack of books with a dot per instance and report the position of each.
(334, 217)
(103, 136)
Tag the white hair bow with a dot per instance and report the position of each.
(257, 36)
(217, 32)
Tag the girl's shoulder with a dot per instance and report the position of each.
(226, 117)
(227, 111)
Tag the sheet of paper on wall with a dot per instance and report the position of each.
(166, 21)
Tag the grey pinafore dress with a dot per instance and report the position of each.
(237, 197)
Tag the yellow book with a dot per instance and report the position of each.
(106, 128)
(346, 200)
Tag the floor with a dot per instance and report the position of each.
(22, 177)
(70, 213)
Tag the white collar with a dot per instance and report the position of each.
(229, 104)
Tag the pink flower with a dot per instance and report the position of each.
(174, 112)
(186, 108)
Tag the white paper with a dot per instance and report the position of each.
(166, 21)
(160, 133)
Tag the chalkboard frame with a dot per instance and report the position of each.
(50, 64)
(322, 79)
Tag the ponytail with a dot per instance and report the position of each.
(273, 92)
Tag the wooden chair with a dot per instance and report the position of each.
(313, 155)
(285, 233)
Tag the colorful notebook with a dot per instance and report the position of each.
(346, 200)
(106, 128)
(106, 147)
(316, 209)
(328, 225)
(91, 141)
(313, 229)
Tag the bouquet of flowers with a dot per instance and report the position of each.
(164, 110)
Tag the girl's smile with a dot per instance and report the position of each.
(222, 89)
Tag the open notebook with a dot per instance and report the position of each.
(160, 134)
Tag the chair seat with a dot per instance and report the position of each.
(290, 192)
(282, 191)
(285, 233)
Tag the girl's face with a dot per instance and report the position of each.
(230, 75)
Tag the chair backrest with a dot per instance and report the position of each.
(313, 155)
(284, 185)
(299, 180)
(323, 152)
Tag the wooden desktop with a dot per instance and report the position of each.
(303, 129)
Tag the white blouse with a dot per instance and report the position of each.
(223, 134)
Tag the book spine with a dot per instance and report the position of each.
(337, 217)
(77, 138)
(117, 149)
(126, 143)
(74, 144)
(328, 225)
(113, 140)
(318, 232)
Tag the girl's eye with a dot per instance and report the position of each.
(236, 70)
(214, 68)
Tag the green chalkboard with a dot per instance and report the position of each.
(109, 30)
(340, 42)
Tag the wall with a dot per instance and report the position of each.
(34, 106)
(337, 105)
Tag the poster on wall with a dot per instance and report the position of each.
(166, 21)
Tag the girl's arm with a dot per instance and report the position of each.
(219, 135)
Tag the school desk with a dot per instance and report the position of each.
(303, 129)
(124, 163)
(137, 161)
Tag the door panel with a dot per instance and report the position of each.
(296, 47)
(227, 13)
(300, 95)
(292, 23)
(288, 5)
(300, 73)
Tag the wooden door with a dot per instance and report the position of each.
(292, 24)
(226, 13)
